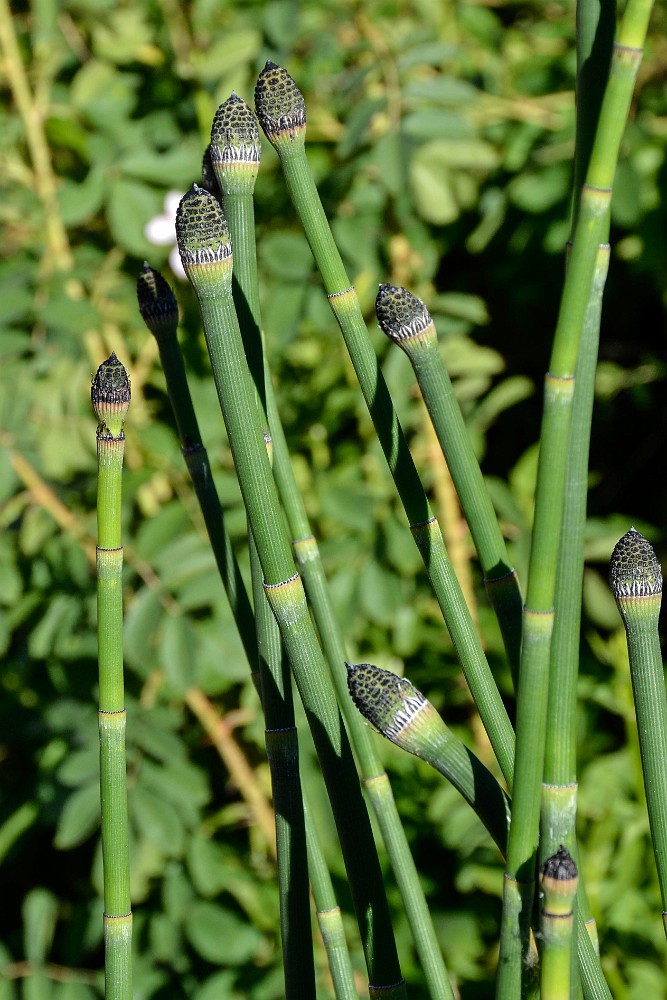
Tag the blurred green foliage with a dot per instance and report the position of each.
(441, 136)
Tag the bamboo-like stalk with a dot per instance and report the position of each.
(401, 713)
(205, 247)
(282, 114)
(596, 23)
(558, 806)
(282, 752)
(237, 160)
(110, 395)
(559, 887)
(262, 641)
(233, 133)
(329, 916)
(554, 438)
(159, 310)
(636, 582)
(405, 319)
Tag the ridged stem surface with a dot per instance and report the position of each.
(203, 236)
(240, 215)
(636, 581)
(158, 307)
(596, 24)
(406, 321)
(559, 886)
(401, 713)
(275, 681)
(554, 439)
(110, 394)
(329, 916)
(344, 302)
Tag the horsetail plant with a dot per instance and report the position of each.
(544, 779)
(235, 143)
(110, 396)
(594, 40)
(159, 310)
(636, 582)
(559, 881)
(532, 697)
(205, 247)
(282, 114)
(401, 713)
(329, 915)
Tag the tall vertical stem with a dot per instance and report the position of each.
(110, 396)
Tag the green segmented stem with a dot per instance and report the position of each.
(401, 713)
(636, 582)
(329, 916)
(596, 24)
(281, 111)
(110, 395)
(233, 127)
(405, 319)
(234, 152)
(159, 310)
(205, 248)
(158, 307)
(589, 234)
(558, 807)
(559, 887)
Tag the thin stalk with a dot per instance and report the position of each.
(282, 751)
(232, 135)
(329, 916)
(558, 807)
(282, 114)
(455, 530)
(401, 713)
(559, 887)
(239, 159)
(261, 637)
(205, 247)
(636, 581)
(158, 307)
(405, 319)
(110, 395)
(596, 22)
(554, 440)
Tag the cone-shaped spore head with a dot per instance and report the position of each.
(280, 106)
(110, 395)
(235, 132)
(403, 317)
(157, 302)
(634, 570)
(203, 238)
(387, 701)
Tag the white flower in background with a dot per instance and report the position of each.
(161, 231)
